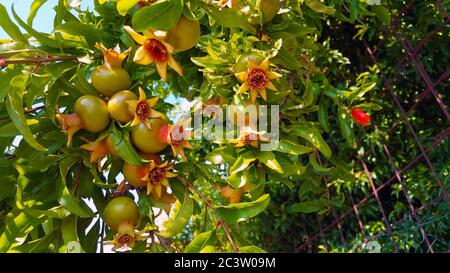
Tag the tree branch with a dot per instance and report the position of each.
(166, 244)
(26, 51)
(38, 60)
(208, 203)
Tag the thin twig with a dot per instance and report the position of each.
(357, 19)
(49, 55)
(167, 245)
(32, 110)
(102, 235)
(77, 176)
(39, 60)
(162, 242)
(208, 203)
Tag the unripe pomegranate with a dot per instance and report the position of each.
(110, 78)
(90, 113)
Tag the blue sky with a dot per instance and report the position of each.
(44, 18)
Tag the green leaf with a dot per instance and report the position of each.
(231, 18)
(205, 171)
(221, 154)
(18, 225)
(368, 106)
(123, 6)
(38, 246)
(7, 187)
(83, 85)
(115, 169)
(354, 10)
(306, 187)
(10, 130)
(66, 200)
(179, 217)
(363, 90)
(9, 27)
(70, 235)
(345, 124)
(317, 6)
(41, 38)
(57, 212)
(71, 203)
(201, 241)
(251, 249)
(66, 85)
(268, 159)
(178, 188)
(240, 179)
(288, 59)
(313, 136)
(35, 6)
(306, 207)
(242, 162)
(316, 165)
(292, 148)
(383, 14)
(208, 61)
(145, 206)
(89, 242)
(51, 100)
(6, 77)
(88, 32)
(60, 11)
(208, 249)
(22, 182)
(283, 178)
(162, 15)
(323, 115)
(65, 164)
(120, 139)
(93, 170)
(308, 96)
(331, 92)
(235, 213)
(14, 106)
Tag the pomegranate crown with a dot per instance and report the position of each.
(113, 57)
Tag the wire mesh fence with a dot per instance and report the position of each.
(349, 224)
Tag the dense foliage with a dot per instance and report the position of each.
(88, 164)
(428, 121)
